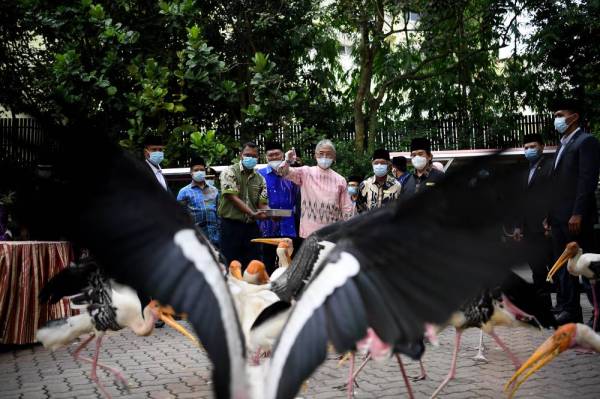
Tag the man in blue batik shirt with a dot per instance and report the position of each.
(201, 200)
(282, 194)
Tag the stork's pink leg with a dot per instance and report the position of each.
(596, 310)
(351, 378)
(94, 376)
(452, 372)
(405, 377)
(117, 373)
(362, 366)
(423, 375)
(82, 345)
(501, 344)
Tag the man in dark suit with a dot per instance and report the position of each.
(573, 211)
(536, 183)
(154, 148)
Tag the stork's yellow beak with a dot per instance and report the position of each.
(166, 313)
(550, 349)
(270, 241)
(564, 257)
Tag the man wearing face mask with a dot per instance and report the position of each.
(399, 170)
(530, 229)
(244, 195)
(424, 175)
(201, 200)
(353, 183)
(381, 188)
(573, 211)
(154, 154)
(282, 194)
(325, 198)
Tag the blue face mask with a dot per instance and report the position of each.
(532, 154)
(249, 162)
(560, 124)
(156, 157)
(380, 170)
(199, 176)
(352, 190)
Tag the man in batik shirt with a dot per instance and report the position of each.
(381, 188)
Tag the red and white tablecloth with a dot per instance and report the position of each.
(25, 266)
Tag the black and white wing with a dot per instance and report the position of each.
(396, 269)
(106, 201)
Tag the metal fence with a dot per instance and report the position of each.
(22, 140)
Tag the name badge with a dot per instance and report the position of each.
(429, 183)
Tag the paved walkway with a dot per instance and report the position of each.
(166, 365)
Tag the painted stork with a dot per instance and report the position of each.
(566, 337)
(108, 306)
(497, 307)
(285, 249)
(367, 274)
(581, 265)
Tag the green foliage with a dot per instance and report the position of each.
(207, 145)
(348, 162)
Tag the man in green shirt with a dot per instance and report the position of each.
(244, 194)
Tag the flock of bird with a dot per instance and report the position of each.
(379, 283)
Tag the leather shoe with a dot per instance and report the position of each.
(565, 317)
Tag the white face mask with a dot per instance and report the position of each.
(275, 164)
(324, 163)
(380, 170)
(419, 162)
(199, 176)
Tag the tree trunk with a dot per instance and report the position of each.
(364, 88)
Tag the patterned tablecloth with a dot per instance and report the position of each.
(25, 266)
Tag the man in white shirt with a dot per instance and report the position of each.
(154, 154)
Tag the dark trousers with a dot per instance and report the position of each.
(235, 242)
(539, 258)
(567, 289)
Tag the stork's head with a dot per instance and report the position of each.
(166, 313)
(235, 269)
(570, 254)
(285, 247)
(563, 339)
(256, 273)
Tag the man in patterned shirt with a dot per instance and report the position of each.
(379, 189)
(325, 198)
(201, 201)
(244, 195)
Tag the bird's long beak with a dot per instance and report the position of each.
(165, 313)
(270, 241)
(564, 257)
(551, 348)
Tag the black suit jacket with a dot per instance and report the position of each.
(536, 190)
(575, 179)
(151, 173)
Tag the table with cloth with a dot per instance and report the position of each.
(25, 266)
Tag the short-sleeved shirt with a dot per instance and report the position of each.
(202, 204)
(325, 198)
(248, 185)
(373, 195)
(283, 194)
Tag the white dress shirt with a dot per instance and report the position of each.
(563, 143)
(158, 173)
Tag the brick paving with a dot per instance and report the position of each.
(166, 365)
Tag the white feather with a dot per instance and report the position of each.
(59, 335)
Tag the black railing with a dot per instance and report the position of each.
(22, 141)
